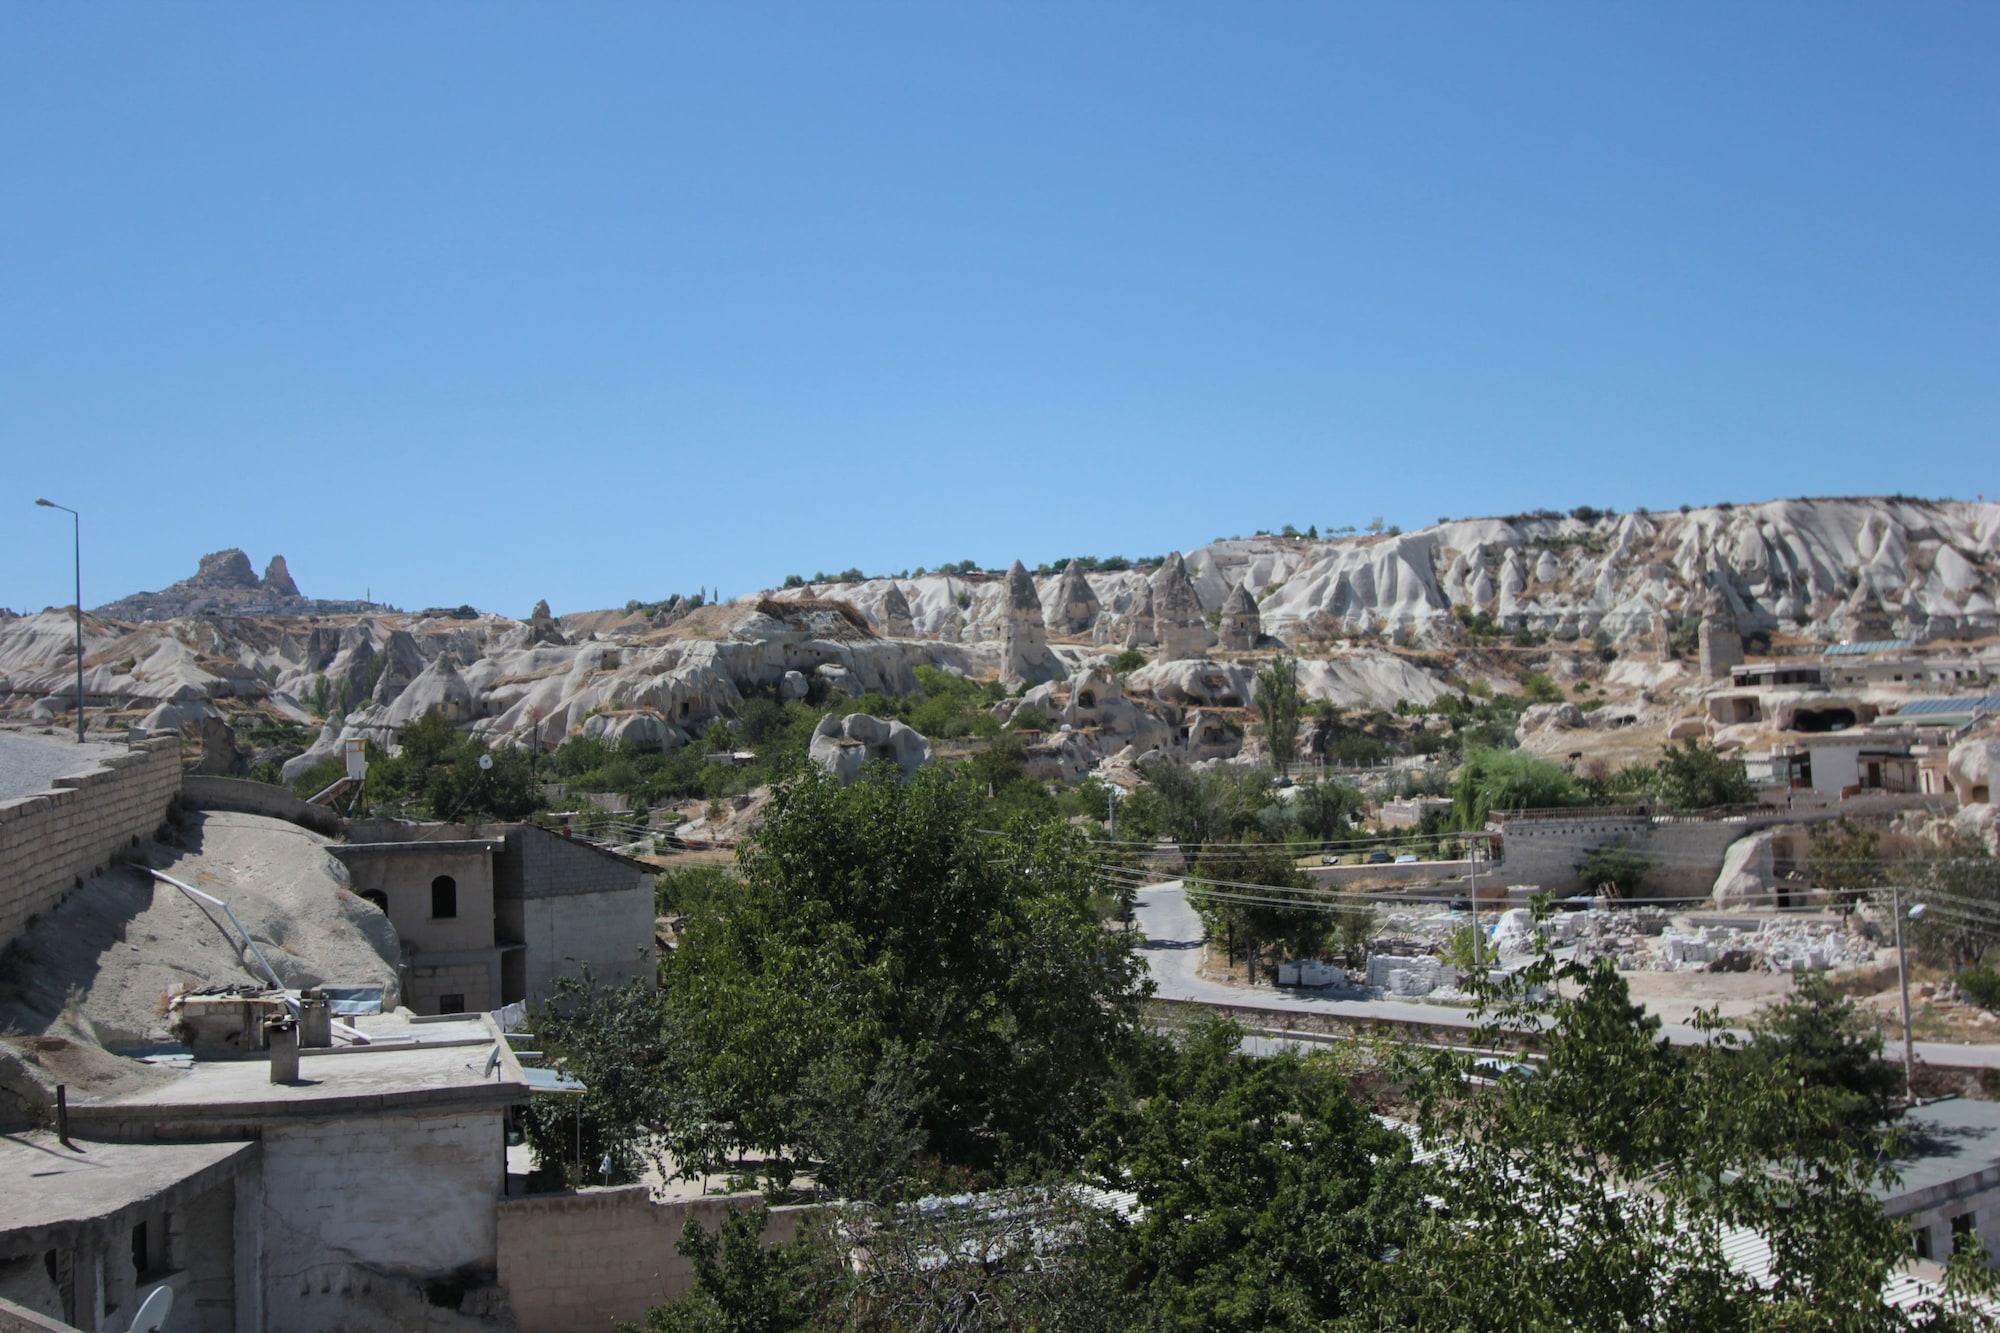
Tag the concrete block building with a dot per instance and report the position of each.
(489, 916)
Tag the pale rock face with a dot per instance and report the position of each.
(224, 569)
(645, 731)
(542, 627)
(1177, 615)
(1863, 618)
(1970, 767)
(793, 685)
(1075, 605)
(842, 745)
(1025, 642)
(1547, 717)
(1241, 628)
(1140, 627)
(1720, 642)
(440, 687)
(1747, 873)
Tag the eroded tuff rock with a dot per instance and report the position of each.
(1025, 653)
(1177, 613)
(224, 583)
(843, 745)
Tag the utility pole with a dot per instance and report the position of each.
(76, 539)
(1111, 807)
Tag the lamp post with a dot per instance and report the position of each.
(1903, 980)
(76, 535)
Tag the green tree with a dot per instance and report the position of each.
(1614, 864)
(1819, 1038)
(1492, 780)
(1605, 1190)
(1844, 856)
(1692, 776)
(1278, 704)
(1268, 1192)
(1960, 883)
(877, 928)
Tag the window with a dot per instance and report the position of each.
(451, 1004)
(379, 898)
(444, 898)
(1961, 1232)
(1922, 1237)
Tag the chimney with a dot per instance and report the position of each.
(315, 1020)
(282, 1036)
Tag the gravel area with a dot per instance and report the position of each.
(28, 763)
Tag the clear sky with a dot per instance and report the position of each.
(488, 301)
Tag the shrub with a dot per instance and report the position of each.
(1129, 660)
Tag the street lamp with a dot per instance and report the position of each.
(76, 534)
(1903, 979)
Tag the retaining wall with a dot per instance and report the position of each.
(202, 791)
(597, 1257)
(52, 841)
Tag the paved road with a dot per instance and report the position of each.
(1172, 948)
(28, 763)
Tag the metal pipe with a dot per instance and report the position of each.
(62, 1116)
(351, 1033)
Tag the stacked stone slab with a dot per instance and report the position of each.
(1076, 604)
(896, 620)
(1177, 614)
(1026, 638)
(1241, 626)
(1721, 642)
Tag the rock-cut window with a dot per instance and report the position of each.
(444, 898)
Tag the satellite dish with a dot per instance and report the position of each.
(153, 1311)
(492, 1062)
(485, 761)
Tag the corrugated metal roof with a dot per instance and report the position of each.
(1963, 703)
(1862, 649)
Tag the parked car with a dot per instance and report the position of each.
(1407, 859)
(1378, 858)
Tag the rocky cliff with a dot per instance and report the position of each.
(225, 583)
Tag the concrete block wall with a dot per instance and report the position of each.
(52, 841)
(597, 1257)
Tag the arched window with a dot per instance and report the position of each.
(444, 898)
(379, 898)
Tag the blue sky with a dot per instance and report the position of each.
(490, 302)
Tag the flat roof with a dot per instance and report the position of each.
(46, 1187)
(1950, 1139)
(460, 1063)
(420, 845)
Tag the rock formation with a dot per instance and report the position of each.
(1139, 633)
(1241, 628)
(1863, 618)
(1076, 605)
(1026, 656)
(896, 622)
(842, 745)
(1721, 642)
(542, 627)
(1177, 616)
(278, 579)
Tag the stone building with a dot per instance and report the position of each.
(1177, 615)
(1720, 641)
(498, 915)
(1076, 603)
(1025, 638)
(896, 620)
(1241, 626)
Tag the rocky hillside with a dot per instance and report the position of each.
(1375, 619)
(1782, 565)
(225, 583)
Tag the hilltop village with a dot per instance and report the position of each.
(347, 957)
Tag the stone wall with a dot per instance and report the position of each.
(1684, 853)
(362, 1214)
(1409, 872)
(204, 791)
(589, 1259)
(52, 841)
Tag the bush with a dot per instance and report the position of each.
(1980, 982)
(1129, 660)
